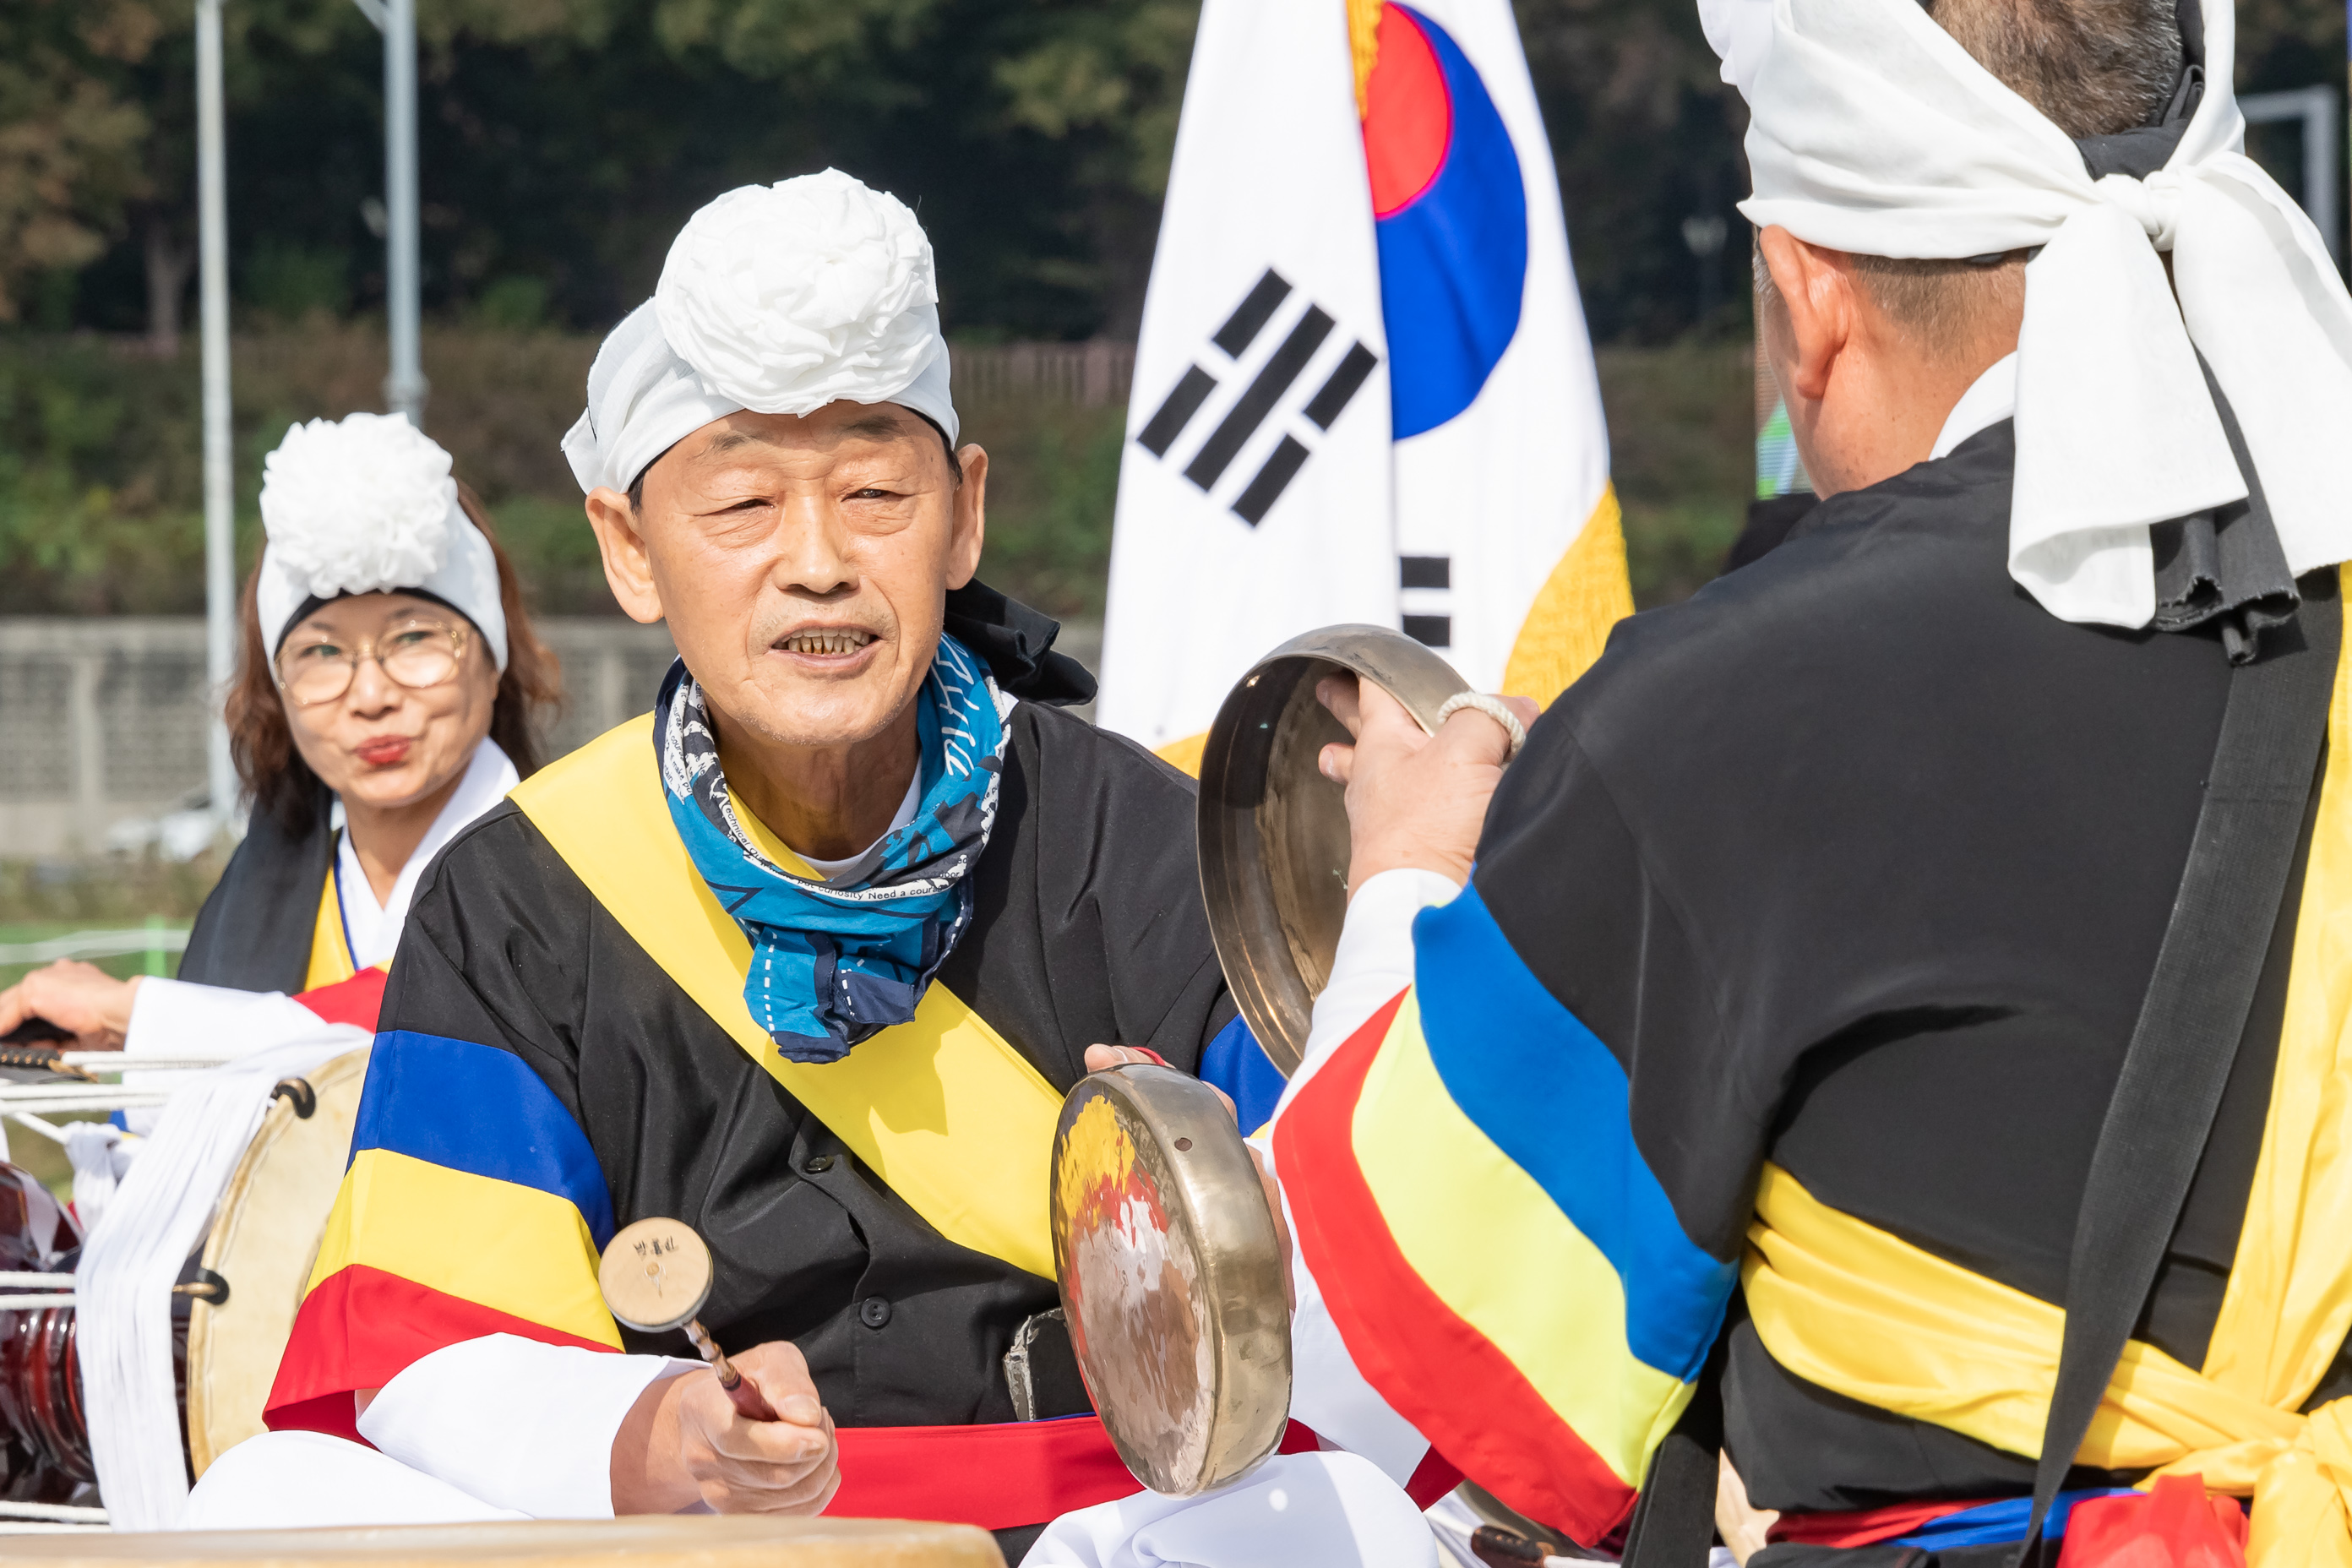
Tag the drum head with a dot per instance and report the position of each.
(264, 1239)
(1274, 830)
(734, 1541)
(1171, 1278)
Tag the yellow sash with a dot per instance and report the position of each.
(943, 1108)
(1868, 1315)
(331, 947)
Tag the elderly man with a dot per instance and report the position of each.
(806, 958)
(1922, 950)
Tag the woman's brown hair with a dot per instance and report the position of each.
(261, 742)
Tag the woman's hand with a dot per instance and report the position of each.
(685, 1441)
(1414, 799)
(73, 995)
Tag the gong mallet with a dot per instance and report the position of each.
(655, 1275)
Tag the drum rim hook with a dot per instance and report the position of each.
(298, 1090)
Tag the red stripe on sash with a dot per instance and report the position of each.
(1408, 1343)
(1865, 1527)
(362, 1327)
(354, 1001)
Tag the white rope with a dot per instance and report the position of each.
(30, 1095)
(35, 1303)
(48, 1129)
(55, 1512)
(20, 1279)
(103, 1099)
(115, 1061)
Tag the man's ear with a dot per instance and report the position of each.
(1817, 296)
(969, 529)
(627, 569)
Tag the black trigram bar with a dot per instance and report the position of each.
(1241, 329)
(1249, 411)
(1325, 407)
(1431, 631)
(1265, 489)
(1177, 412)
(1425, 570)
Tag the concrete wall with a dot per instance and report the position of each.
(102, 719)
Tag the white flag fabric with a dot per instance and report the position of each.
(1363, 390)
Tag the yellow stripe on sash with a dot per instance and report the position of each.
(512, 1249)
(1558, 1310)
(331, 951)
(943, 1108)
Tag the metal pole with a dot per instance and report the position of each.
(405, 388)
(220, 500)
(2319, 167)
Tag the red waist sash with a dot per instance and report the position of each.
(998, 1476)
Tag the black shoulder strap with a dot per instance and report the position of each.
(253, 930)
(2207, 972)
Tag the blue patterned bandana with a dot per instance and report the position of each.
(835, 961)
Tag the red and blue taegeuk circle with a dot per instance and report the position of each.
(1450, 214)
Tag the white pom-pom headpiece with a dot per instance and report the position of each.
(365, 505)
(778, 298)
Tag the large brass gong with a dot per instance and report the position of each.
(1171, 1278)
(1274, 830)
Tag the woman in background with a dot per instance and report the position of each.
(385, 694)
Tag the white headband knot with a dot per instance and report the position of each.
(1874, 131)
(367, 505)
(776, 299)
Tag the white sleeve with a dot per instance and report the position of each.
(518, 1424)
(1374, 962)
(171, 1017)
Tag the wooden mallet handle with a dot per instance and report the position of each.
(753, 1404)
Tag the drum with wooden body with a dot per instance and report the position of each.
(736, 1541)
(231, 1324)
(261, 1247)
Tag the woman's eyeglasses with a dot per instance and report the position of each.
(314, 669)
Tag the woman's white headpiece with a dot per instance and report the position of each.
(777, 299)
(365, 505)
(1872, 132)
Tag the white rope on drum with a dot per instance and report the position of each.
(52, 1512)
(133, 1256)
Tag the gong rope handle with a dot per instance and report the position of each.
(753, 1404)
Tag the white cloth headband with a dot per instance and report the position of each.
(365, 506)
(1872, 132)
(777, 299)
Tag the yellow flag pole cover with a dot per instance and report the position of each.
(1364, 390)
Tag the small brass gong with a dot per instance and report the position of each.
(1274, 831)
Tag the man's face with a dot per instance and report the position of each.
(802, 561)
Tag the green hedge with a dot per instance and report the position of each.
(100, 470)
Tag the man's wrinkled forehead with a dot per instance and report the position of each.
(742, 435)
